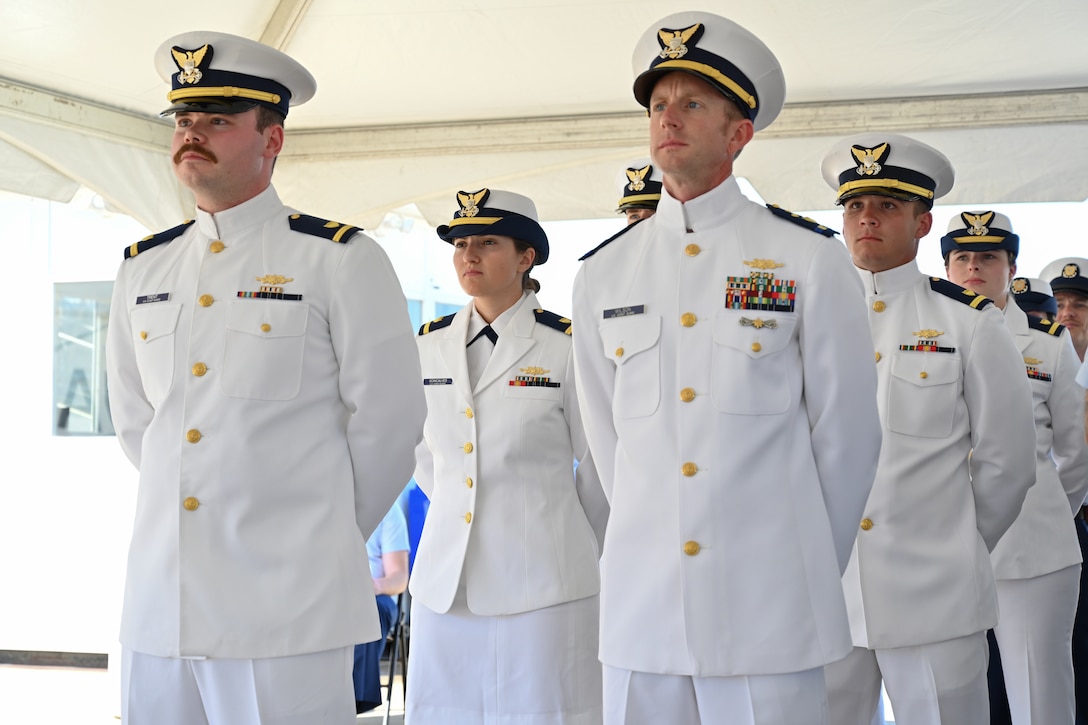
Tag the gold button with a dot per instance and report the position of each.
(866, 524)
(689, 469)
(687, 319)
(468, 412)
(691, 548)
(206, 300)
(923, 375)
(266, 327)
(692, 249)
(756, 347)
(878, 357)
(143, 334)
(191, 504)
(468, 448)
(468, 481)
(619, 352)
(217, 247)
(879, 306)
(193, 436)
(687, 395)
(468, 518)
(199, 369)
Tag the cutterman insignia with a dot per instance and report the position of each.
(927, 334)
(189, 62)
(275, 279)
(674, 42)
(763, 264)
(1033, 361)
(471, 201)
(271, 289)
(533, 370)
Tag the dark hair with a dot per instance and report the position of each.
(268, 117)
(527, 282)
(948, 257)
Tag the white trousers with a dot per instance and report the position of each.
(1035, 636)
(309, 689)
(943, 683)
(643, 698)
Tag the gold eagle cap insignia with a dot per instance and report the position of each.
(275, 279)
(977, 223)
(674, 42)
(471, 201)
(764, 264)
(1032, 361)
(927, 334)
(532, 370)
(637, 177)
(189, 61)
(1070, 270)
(869, 159)
(1019, 286)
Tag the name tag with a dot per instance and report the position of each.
(438, 381)
(624, 311)
(148, 299)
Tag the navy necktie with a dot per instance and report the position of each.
(486, 332)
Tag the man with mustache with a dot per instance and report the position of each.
(263, 378)
(729, 398)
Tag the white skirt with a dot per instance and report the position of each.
(535, 668)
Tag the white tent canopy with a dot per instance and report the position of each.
(419, 98)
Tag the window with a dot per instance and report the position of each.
(81, 311)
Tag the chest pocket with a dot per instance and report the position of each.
(264, 349)
(531, 392)
(752, 366)
(922, 393)
(153, 333)
(632, 343)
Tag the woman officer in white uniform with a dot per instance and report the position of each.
(505, 583)
(1037, 561)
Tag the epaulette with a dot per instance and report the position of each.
(611, 239)
(802, 221)
(156, 239)
(966, 296)
(554, 321)
(1045, 325)
(436, 324)
(318, 227)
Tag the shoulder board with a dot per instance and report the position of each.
(156, 239)
(966, 296)
(802, 221)
(554, 321)
(436, 324)
(314, 226)
(1045, 325)
(608, 241)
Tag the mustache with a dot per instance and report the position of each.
(196, 149)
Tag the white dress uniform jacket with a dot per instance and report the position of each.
(508, 511)
(1043, 538)
(951, 384)
(271, 434)
(737, 446)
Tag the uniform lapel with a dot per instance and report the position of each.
(1017, 321)
(452, 349)
(514, 343)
